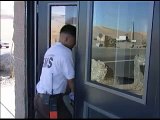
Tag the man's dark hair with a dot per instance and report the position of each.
(69, 29)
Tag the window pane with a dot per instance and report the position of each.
(119, 40)
(61, 15)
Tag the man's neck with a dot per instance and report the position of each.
(65, 45)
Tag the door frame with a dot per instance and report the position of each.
(32, 49)
(43, 45)
(30, 55)
(82, 67)
(32, 68)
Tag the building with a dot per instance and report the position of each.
(122, 38)
(119, 95)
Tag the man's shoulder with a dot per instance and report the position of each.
(63, 50)
(59, 50)
(49, 50)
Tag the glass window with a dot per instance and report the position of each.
(119, 41)
(61, 15)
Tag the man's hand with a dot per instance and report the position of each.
(71, 96)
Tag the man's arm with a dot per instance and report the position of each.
(71, 84)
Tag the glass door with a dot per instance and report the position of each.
(52, 15)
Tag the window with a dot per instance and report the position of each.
(61, 15)
(119, 41)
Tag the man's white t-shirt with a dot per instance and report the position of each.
(58, 67)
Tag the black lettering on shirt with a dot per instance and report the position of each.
(45, 62)
(50, 62)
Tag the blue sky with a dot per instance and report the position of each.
(106, 14)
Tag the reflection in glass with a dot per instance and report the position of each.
(119, 43)
(61, 15)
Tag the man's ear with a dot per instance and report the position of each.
(67, 38)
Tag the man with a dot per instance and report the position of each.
(57, 73)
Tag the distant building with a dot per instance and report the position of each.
(134, 41)
(122, 38)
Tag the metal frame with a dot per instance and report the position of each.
(87, 106)
(148, 52)
(35, 41)
(154, 76)
(88, 59)
(29, 58)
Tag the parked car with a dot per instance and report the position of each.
(4, 44)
